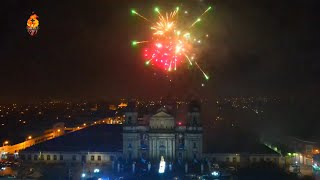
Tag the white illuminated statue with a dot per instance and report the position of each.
(162, 166)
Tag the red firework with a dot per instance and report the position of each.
(163, 55)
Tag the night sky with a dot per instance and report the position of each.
(82, 50)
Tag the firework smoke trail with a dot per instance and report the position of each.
(195, 22)
(199, 18)
(188, 59)
(136, 13)
(209, 8)
(134, 43)
(204, 74)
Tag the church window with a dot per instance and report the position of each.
(234, 159)
(92, 158)
(48, 157)
(61, 157)
(194, 120)
(194, 156)
(129, 146)
(194, 145)
(129, 120)
(99, 158)
(162, 152)
(55, 157)
(83, 158)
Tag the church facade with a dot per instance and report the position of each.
(163, 135)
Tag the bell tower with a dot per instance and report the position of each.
(130, 133)
(194, 132)
(193, 119)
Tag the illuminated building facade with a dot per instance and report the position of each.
(163, 135)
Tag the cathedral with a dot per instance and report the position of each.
(163, 134)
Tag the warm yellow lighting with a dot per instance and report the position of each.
(59, 130)
(84, 124)
(5, 143)
(29, 137)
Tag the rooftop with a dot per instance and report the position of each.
(97, 138)
(240, 147)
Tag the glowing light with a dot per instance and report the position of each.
(134, 43)
(172, 41)
(195, 22)
(162, 165)
(33, 25)
(136, 13)
(215, 173)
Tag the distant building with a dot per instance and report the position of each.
(242, 154)
(300, 151)
(112, 107)
(163, 135)
(98, 144)
(122, 105)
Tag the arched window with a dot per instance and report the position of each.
(129, 120)
(194, 120)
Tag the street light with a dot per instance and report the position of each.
(29, 137)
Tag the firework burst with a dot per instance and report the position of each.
(172, 43)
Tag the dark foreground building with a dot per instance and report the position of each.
(96, 144)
